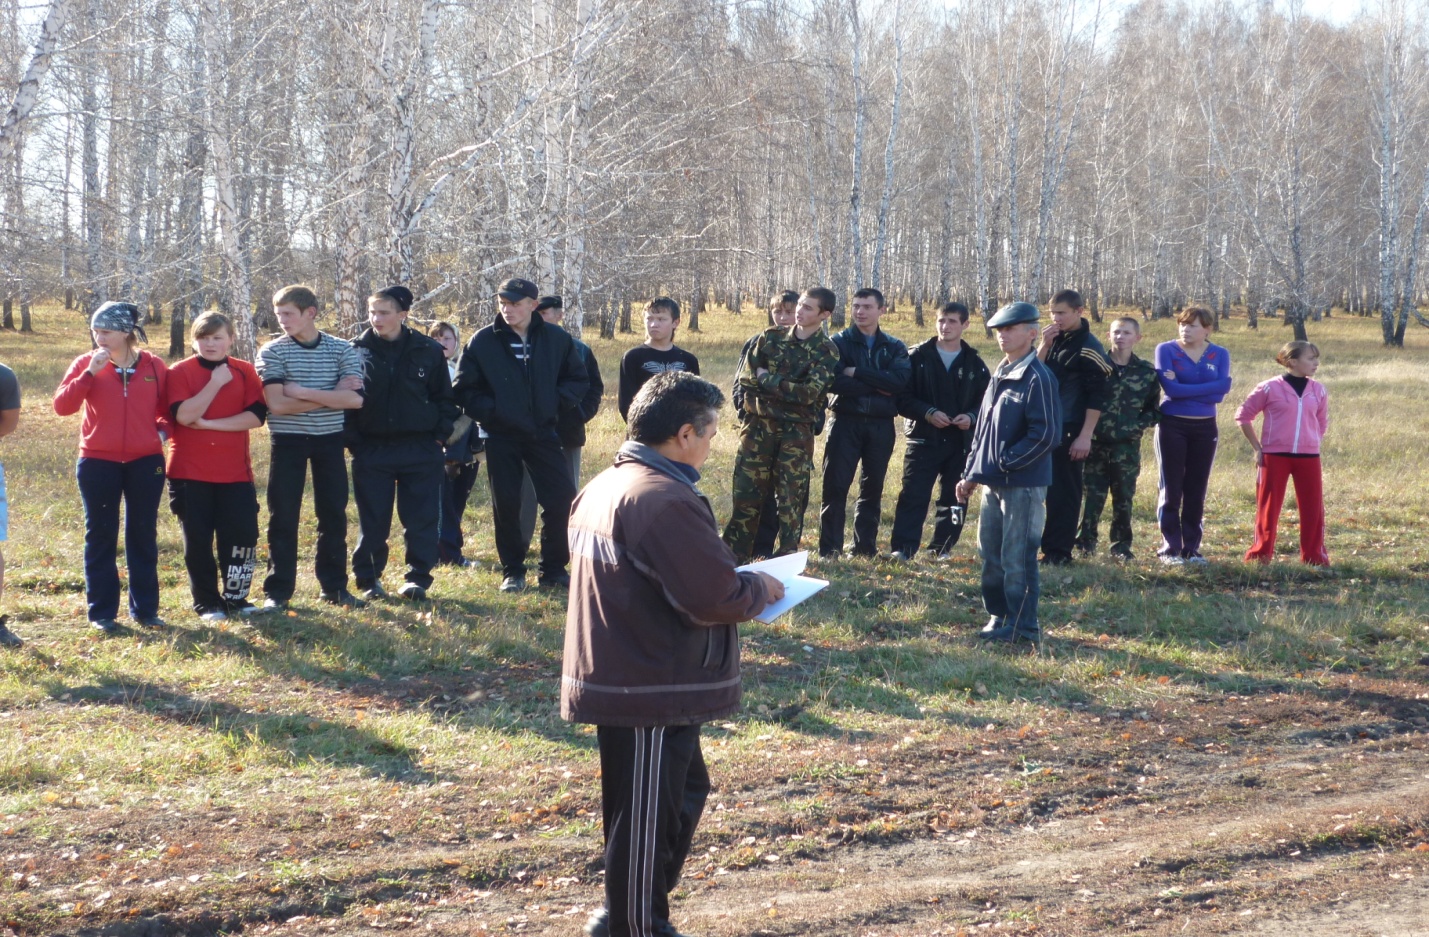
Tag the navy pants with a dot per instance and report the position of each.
(1185, 452)
(226, 512)
(854, 441)
(291, 455)
(102, 485)
(456, 491)
(410, 474)
(653, 787)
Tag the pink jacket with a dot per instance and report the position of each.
(1293, 424)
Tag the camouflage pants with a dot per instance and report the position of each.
(1110, 467)
(773, 457)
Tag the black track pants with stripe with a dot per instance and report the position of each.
(653, 786)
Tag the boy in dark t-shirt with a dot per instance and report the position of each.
(657, 355)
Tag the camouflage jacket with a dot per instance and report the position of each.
(796, 387)
(1133, 402)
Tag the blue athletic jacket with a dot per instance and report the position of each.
(1018, 426)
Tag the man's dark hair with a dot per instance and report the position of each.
(1070, 297)
(785, 296)
(667, 402)
(869, 292)
(823, 296)
(957, 309)
(666, 304)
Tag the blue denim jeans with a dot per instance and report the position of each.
(1009, 533)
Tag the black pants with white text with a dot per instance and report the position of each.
(653, 785)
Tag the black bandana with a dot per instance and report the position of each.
(119, 317)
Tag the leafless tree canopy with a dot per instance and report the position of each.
(197, 153)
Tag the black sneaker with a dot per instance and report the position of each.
(513, 584)
(555, 581)
(152, 622)
(244, 609)
(107, 625)
(343, 599)
(1011, 634)
(375, 593)
(598, 924)
(412, 592)
(8, 638)
(271, 605)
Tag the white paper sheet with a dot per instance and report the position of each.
(797, 588)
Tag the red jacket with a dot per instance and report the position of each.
(122, 417)
(650, 634)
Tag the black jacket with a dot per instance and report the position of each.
(406, 391)
(880, 375)
(570, 425)
(509, 397)
(1079, 363)
(934, 387)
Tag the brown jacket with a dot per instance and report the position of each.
(650, 633)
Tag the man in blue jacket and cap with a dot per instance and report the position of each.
(1018, 426)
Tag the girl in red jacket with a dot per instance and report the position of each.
(121, 456)
(214, 400)
(1297, 413)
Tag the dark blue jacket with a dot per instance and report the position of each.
(934, 387)
(512, 398)
(1018, 426)
(880, 375)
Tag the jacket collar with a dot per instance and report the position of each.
(639, 452)
(536, 325)
(930, 347)
(1018, 368)
(852, 333)
(369, 338)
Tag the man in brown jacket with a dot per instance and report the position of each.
(652, 650)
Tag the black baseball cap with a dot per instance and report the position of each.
(517, 290)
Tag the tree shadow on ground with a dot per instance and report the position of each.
(301, 736)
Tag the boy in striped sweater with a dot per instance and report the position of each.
(309, 379)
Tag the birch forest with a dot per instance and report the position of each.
(197, 154)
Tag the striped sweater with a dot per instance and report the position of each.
(319, 367)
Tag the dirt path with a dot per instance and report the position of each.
(1289, 812)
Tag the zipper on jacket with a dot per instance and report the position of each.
(1299, 412)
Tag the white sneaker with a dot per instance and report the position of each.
(1172, 561)
(1198, 560)
(214, 614)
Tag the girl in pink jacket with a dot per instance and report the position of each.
(1297, 413)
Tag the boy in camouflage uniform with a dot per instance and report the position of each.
(786, 378)
(1133, 406)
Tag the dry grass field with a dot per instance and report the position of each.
(1222, 750)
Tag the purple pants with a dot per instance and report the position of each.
(1185, 451)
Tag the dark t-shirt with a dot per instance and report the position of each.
(643, 362)
(9, 389)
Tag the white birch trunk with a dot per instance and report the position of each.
(239, 286)
(860, 106)
(28, 91)
(886, 201)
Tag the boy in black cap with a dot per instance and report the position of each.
(516, 378)
(1018, 426)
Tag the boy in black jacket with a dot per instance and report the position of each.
(516, 377)
(940, 406)
(873, 371)
(1080, 365)
(396, 437)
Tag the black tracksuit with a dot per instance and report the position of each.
(935, 454)
(864, 406)
(517, 390)
(396, 437)
(1079, 363)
